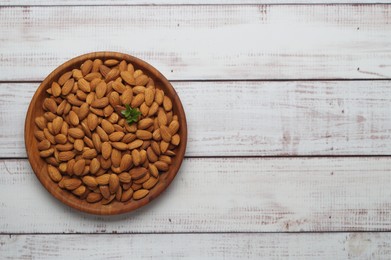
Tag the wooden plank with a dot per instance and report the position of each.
(255, 118)
(177, 2)
(204, 42)
(222, 195)
(198, 246)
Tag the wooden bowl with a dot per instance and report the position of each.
(38, 164)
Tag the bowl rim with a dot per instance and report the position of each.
(97, 208)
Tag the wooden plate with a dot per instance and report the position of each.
(38, 164)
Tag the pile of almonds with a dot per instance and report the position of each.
(90, 149)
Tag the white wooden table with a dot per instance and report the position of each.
(289, 116)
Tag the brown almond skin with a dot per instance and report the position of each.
(54, 174)
(102, 134)
(78, 145)
(137, 100)
(153, 170)
(72, 184)
(165, 133)
(78, 167)
(90, 154)
(116, 136)
(164, 146)
(90, 181)
(79, 191)
(113, 183)
(161, 166)
(66, 156)
(126, 195)
(97, 142)
(106, 150)
(105, 191)
(173, 127)
(126, 162)
(135, 144)
(125, 177)
(92, 121)
(103, 179)
(116, 157)
(93, 197)
(138, 173)
(60, 139)
(144, 123)
(167, 104)
(100, 103)
(152, 157)
(44, 145)
(139, 194)
(175, 140)
(120, 146)
(76, 133)
(143, 179)
(107, 126)
(136, 157)
(143, 134)
(94, 166)
(150, 183)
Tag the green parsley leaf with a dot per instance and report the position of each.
(131, 114)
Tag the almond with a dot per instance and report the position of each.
(126, 96)
(96, 64)
(88, 142)
(127, 76)
(116, 157)
(152, 157)
(64, 77)
(102, 134)
(138, 89)
(137, 195)
(114, 99)
(111, 62)
(144, 109)
(164, 146)
(79, 191)
(93, 197)
(126, 162)
(73, 118)
(92, 121)
(54, 173)
(119, 87)
(165, 133)
(56, 89)
(67, 87)
(167, 104)
(64, 147)
(162, 117)
(89, 154)
(113, 183)
(124, 177)
(120, 146)
(159, 96)
(136, 157)
(103, 179)
(100, 103)
(135, 144)
(156, 135)
(153, 109)
(46, 153)
(86, 67)
(141, 80)
(92, 76)
(76, 133)
(112, 75)
(71, 184)
(60, 139)
(44, 145)
(116, 136)
(50, 105)
(40, 122)
(49, 136)
(155, 147)
(126, 195)
(175, 140)
(143, 135)
(138, 173)
(94, 166)
(66, 156)
(173, 127)
(149, 96)
(106, 150)
(145, 123)
(161, 166)
(90, 181)
(101, 89)
(49, 116)
(83, 111)
(97, 142)
(165, 158)
(153, 170)
(129, 138)
(107, 126)
(78, 167)
(104, 190)
(150, 183)
(137, 100)
(61, 107)
(77, 74)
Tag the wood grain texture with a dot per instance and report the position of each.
(255, 118)
(238, 42)
(222, 195)
(177, 2)
(198, 246)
